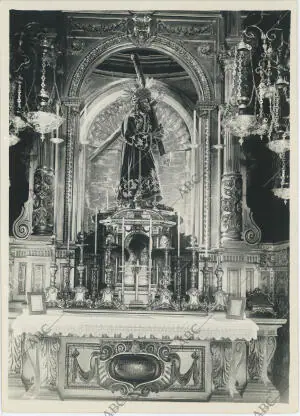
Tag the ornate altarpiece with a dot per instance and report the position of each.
(226, 256)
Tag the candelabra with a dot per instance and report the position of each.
(66, 274)
(94, 279)
(108, 299)
(193, 292)
(221, 297)
(164, 295)
(178, 281)
(80, 291)
(52, 291)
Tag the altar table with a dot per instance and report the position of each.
(143, 355)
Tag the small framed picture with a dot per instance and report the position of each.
(36, 303)
(236, 307)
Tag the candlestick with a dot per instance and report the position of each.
(83, 185)
(193, 171)
(150, 260)
(123, 258)
(178, 234)
(193, 293)
(69, 225)
(96, 230)
(55, 189)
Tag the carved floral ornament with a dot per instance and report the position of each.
(141, 27)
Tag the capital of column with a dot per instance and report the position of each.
(72, 102)
(205, 107)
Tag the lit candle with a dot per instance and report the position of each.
(178, 234)
(96, 230)
(107, 199)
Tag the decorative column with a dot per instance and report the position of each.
(43, 191)
(205, 114)
(260, 354)
(72, 135)
(227, 358)
(232, 184)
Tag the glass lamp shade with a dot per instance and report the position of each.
(13, 139)
(279, 146)
(17, 123)
(43, 121)
(282, 193)
(244, 125)
(56, 140)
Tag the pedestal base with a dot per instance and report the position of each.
(259, 392)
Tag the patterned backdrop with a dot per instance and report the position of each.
(103, 171)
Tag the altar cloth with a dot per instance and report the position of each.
(145, 325)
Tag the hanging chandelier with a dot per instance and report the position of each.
(283, 191)
(238, 117)
(43, 120)
(260, 91)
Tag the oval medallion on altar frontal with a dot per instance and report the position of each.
(135, 368)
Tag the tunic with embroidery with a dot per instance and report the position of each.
(138, 174)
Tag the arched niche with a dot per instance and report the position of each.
(94, 56)
(102, 115)
(170, 47)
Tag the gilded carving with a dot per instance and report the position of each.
(185, 30)
(261, 352)
(141, 29)
(140, 22)
(42, 216)
(221, 361)
(252, 235)
(231, 206)
(22, 278)
(205, 50)
(22, 227)
(100, 28)
(276, 258)
(77, 47)
(49, 355)
(14, 353)
(157, 367)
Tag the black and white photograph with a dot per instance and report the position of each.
(149, 195)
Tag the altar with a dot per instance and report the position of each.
(144, 355)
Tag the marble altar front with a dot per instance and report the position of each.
(167, 355)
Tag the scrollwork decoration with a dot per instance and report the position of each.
(112, 370)
(22, 227)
